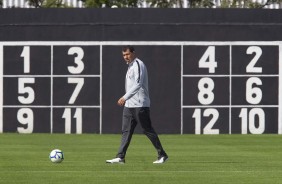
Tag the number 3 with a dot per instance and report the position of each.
(78, 60)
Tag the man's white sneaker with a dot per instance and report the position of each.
(116, 161)
(161, 160)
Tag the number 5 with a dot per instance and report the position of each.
(22, 89)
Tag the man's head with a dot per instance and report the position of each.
(128, 53)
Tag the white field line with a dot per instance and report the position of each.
(127, 171)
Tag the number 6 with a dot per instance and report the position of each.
(253, 94)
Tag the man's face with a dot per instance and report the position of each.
(128, 56)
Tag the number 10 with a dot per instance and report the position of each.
(249, 119)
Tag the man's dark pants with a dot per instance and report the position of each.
(132, 116)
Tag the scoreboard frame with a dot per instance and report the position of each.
(182, 45)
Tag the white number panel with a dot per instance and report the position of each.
(231, 88)
(50, 88)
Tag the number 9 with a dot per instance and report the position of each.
(25, 117)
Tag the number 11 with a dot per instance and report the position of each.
(77, 116)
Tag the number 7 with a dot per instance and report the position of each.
(79, 84)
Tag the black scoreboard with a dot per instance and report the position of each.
(56, 87)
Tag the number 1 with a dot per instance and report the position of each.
(26, 55)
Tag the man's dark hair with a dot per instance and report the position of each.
(128, 47)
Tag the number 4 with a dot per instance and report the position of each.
(208, 60)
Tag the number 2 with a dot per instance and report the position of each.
(251, 66)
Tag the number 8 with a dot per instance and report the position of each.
(205, 95)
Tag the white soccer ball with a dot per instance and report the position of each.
(56, 156)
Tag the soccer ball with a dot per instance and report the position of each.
(56, 156)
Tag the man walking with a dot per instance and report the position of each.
(136, 104)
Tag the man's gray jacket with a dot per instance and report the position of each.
(136, 85)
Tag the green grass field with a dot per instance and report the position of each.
(195, 159)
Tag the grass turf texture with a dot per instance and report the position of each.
(195, 159)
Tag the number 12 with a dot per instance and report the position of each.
(208, 129)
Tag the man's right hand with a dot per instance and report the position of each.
(121, 101)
